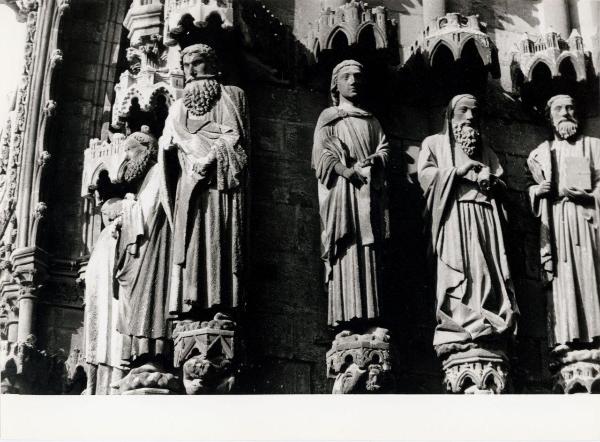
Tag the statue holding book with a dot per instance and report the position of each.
(566, 198)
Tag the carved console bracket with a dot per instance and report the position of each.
(476, 371)
(577, 372)
(361, 363)
(349, 25)
(454, 32)
(206, 352)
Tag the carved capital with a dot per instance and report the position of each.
(39, 212)
(206, 352)
(44, 158)
(50, 108)
(56, 58)
(361, 363)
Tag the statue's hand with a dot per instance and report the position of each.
(202, 167)
(354, 175)
(115, 227)
(471, 164)
(371, 160)
(130, 196)
(578, 195)
(543, 189)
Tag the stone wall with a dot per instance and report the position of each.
(285, 327)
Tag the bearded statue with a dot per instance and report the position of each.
(565, 196)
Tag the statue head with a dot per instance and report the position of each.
(140, 150)
(463, 118)
(561, 113)
(346, 82)
(202, 90)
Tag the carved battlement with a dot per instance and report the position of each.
(551, 50)
(350, 19)
(454, 31)
(102, 155)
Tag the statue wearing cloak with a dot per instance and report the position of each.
(474, 291)
(353, 221)
(203, 161)
(570, 229)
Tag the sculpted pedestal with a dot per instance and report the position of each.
(361, 363)
(475, 371)
(205, 351)
(576, 371)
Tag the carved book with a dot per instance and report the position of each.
(577, 173)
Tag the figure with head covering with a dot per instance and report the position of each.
(566, 198)
(350, 155)
(126, 282)
(203, 157)
(462, 182)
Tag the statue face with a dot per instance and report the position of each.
(134, 150)
(562, 115)
(349, 83)
(196, 66)
(466, 112)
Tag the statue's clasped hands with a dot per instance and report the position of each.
(578, 195)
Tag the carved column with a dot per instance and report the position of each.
(433, 9)
(556, 15)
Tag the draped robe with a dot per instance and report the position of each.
(569, 242)
(474, 291)
(353, 221)
(126, 286)
(141, 271)
(206, 212)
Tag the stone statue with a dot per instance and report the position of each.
(203, 159)
(350, 154)
(566, 199)
(461, 180)
(126, 281)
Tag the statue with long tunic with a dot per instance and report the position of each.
(350, 155)
(126, 282)
(566, 199)
(203, 160)
(476, 309)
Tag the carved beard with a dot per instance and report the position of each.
(566, 128)
(138, 166)
(467, 137)
(199, 96)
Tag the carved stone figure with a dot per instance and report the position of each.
(350, 154)
(566, 199)
(461, 179)
(126, 278)
(203, 159)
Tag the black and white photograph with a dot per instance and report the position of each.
(271, 199)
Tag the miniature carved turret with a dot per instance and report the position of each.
(454, 31)
(551, 50)
(349, 20)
